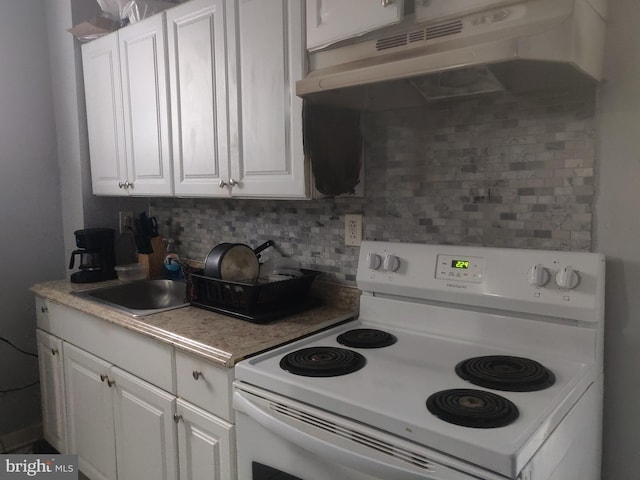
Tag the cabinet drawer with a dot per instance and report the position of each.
(135, 353)
(204, 384)
(42, 315)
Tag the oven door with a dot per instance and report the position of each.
(281, 439)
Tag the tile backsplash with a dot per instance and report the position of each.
(507, 170)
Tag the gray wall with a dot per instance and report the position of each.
(30, 211)
(617, 234)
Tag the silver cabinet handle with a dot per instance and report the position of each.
(196, 374)
(386, 3)
(232, 182)
(121, 185)
(177, 417)
(222, 184)
(54, 351)
(129, 185)
(103, 377)
(44, 309)
(110, 383)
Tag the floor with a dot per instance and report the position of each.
(42, 446)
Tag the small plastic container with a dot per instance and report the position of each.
(132, 271)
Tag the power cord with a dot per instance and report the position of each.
(15, 389)
(17, 348)
(9, 390)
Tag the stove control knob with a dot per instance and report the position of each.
(374, 261)
(391, 263)
(538, 275)
(567, 278)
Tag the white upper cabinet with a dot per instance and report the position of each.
(199, 100)
(267, 158)
(127, 111)
(330, 21)
(146, 107)
(226, 123)
(105, 118)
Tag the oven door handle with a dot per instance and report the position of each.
(344, 451)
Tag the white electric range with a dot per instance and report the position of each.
(464, 363)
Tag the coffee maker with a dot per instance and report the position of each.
(97, 255)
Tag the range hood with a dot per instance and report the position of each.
(519, 45)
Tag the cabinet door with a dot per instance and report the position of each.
(105, 121)
(146, 444)
(267, 38)
(206, 445)
(329, 21)
(90, 413)
(198, 78)
(145, 99)
(54, 418)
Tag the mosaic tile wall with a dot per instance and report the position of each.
(501, 170)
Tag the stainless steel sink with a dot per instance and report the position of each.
(140, 298)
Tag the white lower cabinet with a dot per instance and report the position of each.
(54, 417)
(205, 444)
(144, 429)
(90, 413)
(123, 427)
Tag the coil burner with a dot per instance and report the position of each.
(472, 408)
(506, 373)
(322, 362)
(366, 338)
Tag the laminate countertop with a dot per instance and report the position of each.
(219, 338)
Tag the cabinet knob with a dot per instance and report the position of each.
(177, 417)
(386, 3)
(103, 377)
(129, 185)
(222, 184)
(110, 383)
(54, 351)
(120, 185)
(44, 309)
(196, 374)
(232, 182)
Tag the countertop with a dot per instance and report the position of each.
(219, 338)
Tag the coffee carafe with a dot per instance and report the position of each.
(97, 255)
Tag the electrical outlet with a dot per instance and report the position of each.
(125, 219)
(353, 229)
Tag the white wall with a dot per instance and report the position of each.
(30, 212)
(617, 235)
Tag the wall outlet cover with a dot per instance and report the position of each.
(125, 219)
(353, 229)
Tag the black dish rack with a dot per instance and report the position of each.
(212, 293)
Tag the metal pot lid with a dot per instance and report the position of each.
(239, 264)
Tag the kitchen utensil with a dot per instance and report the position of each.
(279, 268)
(235, 262)
(132, 271)
(126, 248)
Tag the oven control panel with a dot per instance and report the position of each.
(461, 268)
(542, 282)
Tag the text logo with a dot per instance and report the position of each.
(51, 467)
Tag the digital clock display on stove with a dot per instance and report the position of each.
(459, 263)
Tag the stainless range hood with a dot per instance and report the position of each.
(518, 46)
